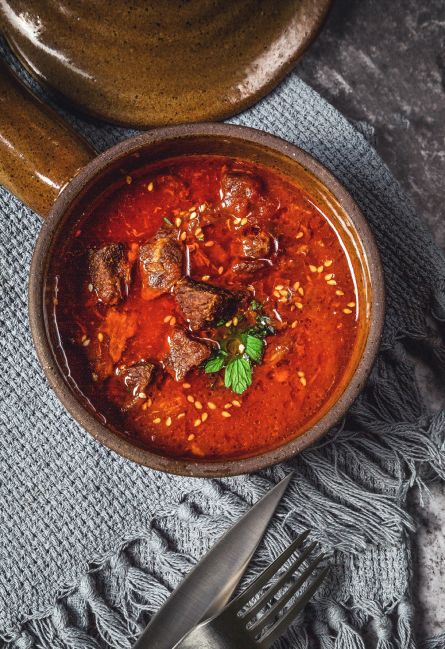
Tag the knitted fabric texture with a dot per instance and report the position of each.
(91, 544)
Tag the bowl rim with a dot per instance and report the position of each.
(111, 439)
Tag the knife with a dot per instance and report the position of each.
(208, 587)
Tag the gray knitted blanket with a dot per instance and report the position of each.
(91, 544)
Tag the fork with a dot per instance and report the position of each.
(248, 626)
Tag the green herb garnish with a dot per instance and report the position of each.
(168, 221)
(238, 374)
(254, 347)
(215, 363)
(240, 350)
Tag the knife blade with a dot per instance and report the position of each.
(208, 587)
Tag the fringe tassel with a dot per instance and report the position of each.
(404, 625)
(438, 642)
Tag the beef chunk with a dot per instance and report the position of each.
(201, 303)
(185, 353)
(137, 377)
(125, 386)
(255, 244)
(110, 273)
(240, 191)
(160, 263)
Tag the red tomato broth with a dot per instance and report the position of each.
(304, 365)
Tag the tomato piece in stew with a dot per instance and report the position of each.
(206, 307)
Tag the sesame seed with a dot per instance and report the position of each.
(211, 405)
(186, 386)
(198, 405)
(209, 244)
(198, 231)
(276, 294)
(296, 286)
(167, 318)
(148, 403)
(303, 381)
(197, 423)
(86, 342)
(351, 304)
(205, 278)
(100, 336)
(172, 321)
(320, 269)
(294, 324)
(183, 236)
(225, 413)
(90, 288)
(190, 437)
(229, 323)
(338, 292)
(236, 403)
(312, 268)
(347, 311)
(279, 287)
(193, 215)
(283, 293)
(299, 235)
(332, 282)
(329, 276)
(227, 405)
(150, 187)
(328, 263)
(244, 221)
(301, 290)
(94, 376)
(128, 180)
(157, 420)
(300, 373)
(178, 221)
(220, 270)
(241, 348)
(202, 207)
(204, 416)
(83, 338)
(144, 406)
(142, 395)
(181, 415)
(298, 305)
(190, 398)
(282, 299)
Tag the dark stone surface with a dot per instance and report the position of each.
(383, 61)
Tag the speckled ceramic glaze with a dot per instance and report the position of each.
(154, 62)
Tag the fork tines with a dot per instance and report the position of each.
(268, 626)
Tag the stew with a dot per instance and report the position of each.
(206, 308)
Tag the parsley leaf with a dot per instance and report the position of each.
(215, 363)
(238, 374)
(254, 347)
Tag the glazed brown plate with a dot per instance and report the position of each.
(124, 160)
(154, 63)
